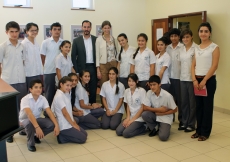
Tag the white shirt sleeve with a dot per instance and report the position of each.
(43, 48)
(143, 95)
(152, 57)
(147, 99)
(167, 61)
(45, 103)
(171, 103)
(60, 103)
(58, 62)
(1, 54)
(102, 93)
(121, 90)
(125, 96)
(131, 61)
(80, 93)
(25, 103)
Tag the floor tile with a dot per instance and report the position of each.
(226, 134)
(13, 151)
(99, 145)
(143, 137)
(112, 155)
(159, 145)
(157, 156)
(130, 160)
(39, 147)
(46, 156)
(105, 133)
(227, 147)
(17, 159)
(121, 141)
(137, 149)
(200, 158)
(84, 158)
(181, 137)
(222, 155)
(219, 128)
(219, 140)
(180, 152)
(225, 123)
(92, 136)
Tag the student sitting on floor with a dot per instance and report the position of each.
(31, 108)
(134, 96)
(159, 107)
(61, 106)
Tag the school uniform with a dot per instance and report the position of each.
(65, 65)
(50, 49)
(36, 107)
(142, 64)
(134, 101)
(164, 60)
(11, 60)
(174, 71)
(67, 132)
(88, 120)
(204, 105)
(188, 103)
(33, 63)
(164, 122)
(125, 65)
(112, 100)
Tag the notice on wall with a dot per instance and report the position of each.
(159, 33)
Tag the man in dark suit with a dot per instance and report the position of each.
(84, 57)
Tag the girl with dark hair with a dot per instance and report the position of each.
(106, 52)
(143, 61)
(188, 103)
(91, 111)
(61, 106)
(204, 66)
(123, 58)
(112, 93)
(32, 62)
(133, 125)
(162, 63)
(63, 62)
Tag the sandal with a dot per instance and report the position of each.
(196, 135)
(202, 138)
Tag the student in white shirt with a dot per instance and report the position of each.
(91, 111)
(11, 63)
(49, 51)
(61, 106)
(143, 61)
(174, 70)
(112, 93)
(63, 62)
(33, 62)
(159, 107)
(32, 106)
(204, 68)
(134, 96)
(123, 58)
(162, 63)
(188, 103)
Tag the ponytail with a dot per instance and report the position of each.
(119, 57)
(81, 75)
(125, 36)
(117, 88)
(134, 55)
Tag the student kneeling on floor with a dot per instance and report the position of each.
(159, 107)
(31, 108)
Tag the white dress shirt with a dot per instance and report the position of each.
(88, 49)
(11, 59)
(33, 62)
(50, 49)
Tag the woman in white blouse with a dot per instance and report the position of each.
(33, 62)
(204, 68)
(123, 58)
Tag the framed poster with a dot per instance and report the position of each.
(76, 31)
(22, 33)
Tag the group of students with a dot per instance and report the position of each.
(151, 88)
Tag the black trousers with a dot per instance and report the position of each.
(204, 108)
(93, 82)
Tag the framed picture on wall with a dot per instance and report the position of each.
(22, 33)
(99, 30)
(76, 31)
(47, 32)
(183, 25)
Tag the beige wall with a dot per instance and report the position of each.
(218, 14)
(123, 16)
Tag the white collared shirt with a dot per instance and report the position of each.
(60, 101)
(36, 106)
(174, 69)
(185, 58)
(204, 59)
(112, 99)
(135, 101)
(11, 59)
(50, 49)
(164, 60)
(142, 63)
(64, 65)
(33, 62)
(124, 62)
(164, 99)
(81, 94)
(88, 49)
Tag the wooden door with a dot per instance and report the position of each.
(158, 24)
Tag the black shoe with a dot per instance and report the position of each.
(10, 139)
(153, 132)
(31, 148)
(59, 142)
(189, 129)
(22, 133)
(181, 127)
(37, 140)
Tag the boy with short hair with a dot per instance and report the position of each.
(31, 108)
(159, 107)
(11, 62)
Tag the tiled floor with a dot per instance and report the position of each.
(104, 145)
